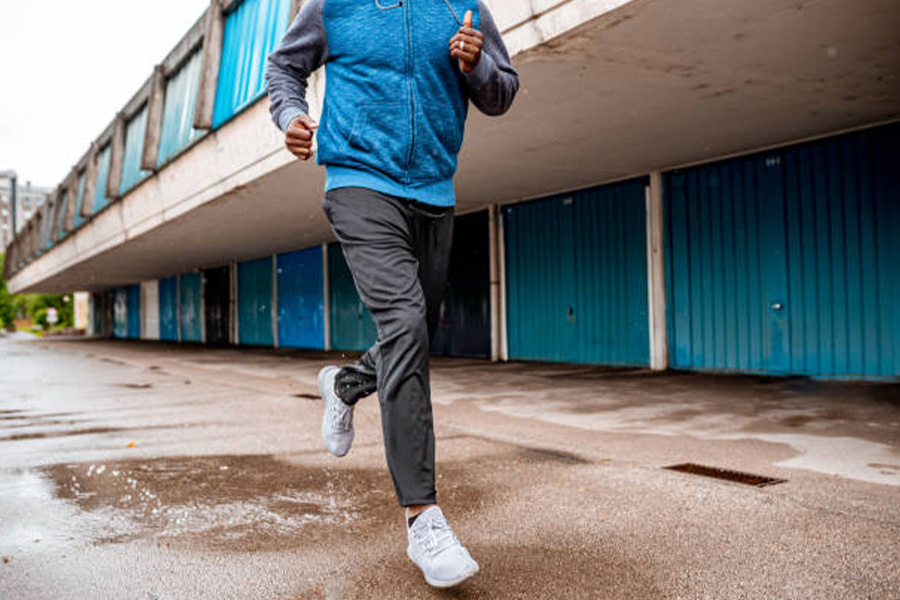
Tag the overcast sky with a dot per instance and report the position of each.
(67, 67)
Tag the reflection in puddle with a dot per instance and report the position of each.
(233, 502)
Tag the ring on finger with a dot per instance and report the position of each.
(462, 46)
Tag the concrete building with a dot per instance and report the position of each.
(29, 199)
(702, 185)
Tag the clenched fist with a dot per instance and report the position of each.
(299, 136)
(466, 45)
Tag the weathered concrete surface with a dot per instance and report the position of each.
(551, 474)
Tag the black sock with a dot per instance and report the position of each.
(411, 520)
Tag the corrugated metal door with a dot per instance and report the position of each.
(787, 261)
(255, 303)
(217, 304)
(135, 130)
(352, 327)
(301, 301)
(464, 328)
(577, 277)
(134, 312)
(120, 313)
(168, 309)
(178, 111)
(252, 30)
(190, 308)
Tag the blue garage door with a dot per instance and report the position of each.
(351, 322)
(168, 309)
(255, 303)
(577, 277)
(191, 313)
(787, 261)
(301, 301)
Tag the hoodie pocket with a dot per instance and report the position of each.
(381, 136)
(438, 138)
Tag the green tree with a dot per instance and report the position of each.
(35, 306)
(7, 306)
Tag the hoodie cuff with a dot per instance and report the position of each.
(289, 114)
(482, 71)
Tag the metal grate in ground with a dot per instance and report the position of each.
(726, 474)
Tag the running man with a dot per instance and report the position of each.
(400, 75)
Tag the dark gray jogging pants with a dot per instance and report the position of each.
(398, 251)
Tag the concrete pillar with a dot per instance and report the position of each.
(209, 71)
(116, 158)
(90, 182)
(494, 250)
(150, 310)
(501, 275)
(81, 301)
(656, 275)
(155, 107)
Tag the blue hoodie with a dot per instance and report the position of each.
(396, 101)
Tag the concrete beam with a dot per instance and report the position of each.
(656, 275)
(71, 200)
(153, 132)
(116, 158)
(57, 201)
(209, 73)
(90, 182)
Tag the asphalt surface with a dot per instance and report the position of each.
(153, 471)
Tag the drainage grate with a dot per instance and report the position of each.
(727, 475)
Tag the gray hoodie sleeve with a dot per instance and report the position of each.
(303, 50)
(494, 82)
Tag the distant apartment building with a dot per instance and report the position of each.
(28, 199)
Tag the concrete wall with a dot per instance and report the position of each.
(150, 310)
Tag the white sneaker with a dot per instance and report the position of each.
(337, 422)
(433, 547)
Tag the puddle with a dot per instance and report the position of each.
(39, 435)
(235, 503)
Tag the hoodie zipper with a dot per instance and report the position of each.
(409, 85)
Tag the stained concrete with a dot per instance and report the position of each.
(137, 470)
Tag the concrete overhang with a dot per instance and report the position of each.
(610, 89)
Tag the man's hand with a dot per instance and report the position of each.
(299, 136)
(466, 45)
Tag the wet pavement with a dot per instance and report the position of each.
(140, 470)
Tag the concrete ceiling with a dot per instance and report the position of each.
(652, 85)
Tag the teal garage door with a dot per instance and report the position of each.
(352, 327)
(788, 261)
(255, 303)
(191, 307)
(577, 277)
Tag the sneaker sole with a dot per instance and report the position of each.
(441, 584)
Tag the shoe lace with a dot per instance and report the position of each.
(341, 415)
(436, 536)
